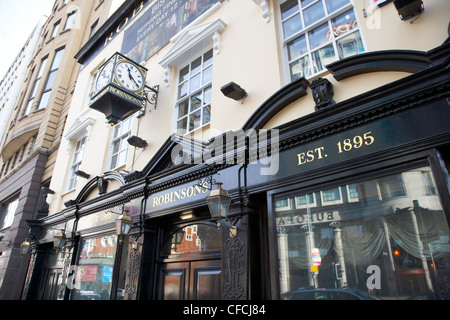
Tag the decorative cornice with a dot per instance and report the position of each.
(264, 4)
(278, 101)
(82, 126)
(190, 41)
(425, 87)
(413, 91)
(389, 60)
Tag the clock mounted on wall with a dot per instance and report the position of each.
(119, 88)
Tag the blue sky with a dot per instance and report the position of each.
(17, 20)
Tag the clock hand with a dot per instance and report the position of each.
(131, 76)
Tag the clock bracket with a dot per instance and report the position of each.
(150, 98)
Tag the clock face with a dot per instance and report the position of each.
(104, 76)
(129, 76)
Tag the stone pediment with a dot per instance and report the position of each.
(177, 151)
(193, 40)
(79, 128)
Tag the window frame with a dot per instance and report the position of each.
(7, 215)
(55, 30)
(34, 88)
(70, 20)
(338, 179)
(305, 31)
(77, 159)
(52, 73)
(117, 136)
(191, 93)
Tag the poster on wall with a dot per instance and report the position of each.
(154, 29)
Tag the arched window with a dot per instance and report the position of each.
(193, 238)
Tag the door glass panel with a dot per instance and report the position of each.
(95, 268)
(386, 238)
(193, 238)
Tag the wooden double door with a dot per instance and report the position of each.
(190, 265)
(51, 283)
(190, 280)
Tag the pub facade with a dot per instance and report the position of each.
(308, 163)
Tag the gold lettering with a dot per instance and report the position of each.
(311, 155)
(205, 187)
(122, 25)
(301, 158)
(167, 198)
(137, 10)
(180, 194)
(319, 152)
(190, 192)
(109, 38)
(198, 189)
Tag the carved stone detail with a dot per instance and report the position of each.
(102, 185)
(322, 91)
(29, 273)
(65, 274)
(264, 4)
(133, 267)
(234, 283)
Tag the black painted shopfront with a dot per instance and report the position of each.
(357, 208)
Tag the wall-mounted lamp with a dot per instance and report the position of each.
(219, 205)
(25, 246)
(408, 8)
(123, 225)
(137, 142)
(82, 174)
(233, 91)
(59, 240)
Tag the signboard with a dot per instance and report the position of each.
(87, 273)
(107, 216)
(316, 258)
(177, 196)
(154, 29)
(107, 273)
(385, 134)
